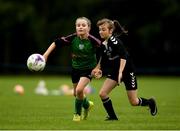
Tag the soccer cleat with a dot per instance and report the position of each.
(152, 106)
(86, 111)
(76, 117)
(111, 118)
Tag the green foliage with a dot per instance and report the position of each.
(31, 111)
(32, 25)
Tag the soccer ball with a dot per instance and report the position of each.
(36, 62)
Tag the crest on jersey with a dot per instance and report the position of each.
(81, 46)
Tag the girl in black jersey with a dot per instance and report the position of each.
(120, 68)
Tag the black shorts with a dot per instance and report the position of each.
(129, 77)
(130, 81)
(77, 74)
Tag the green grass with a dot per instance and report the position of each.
(31, 111)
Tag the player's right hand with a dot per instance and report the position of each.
(97, 73)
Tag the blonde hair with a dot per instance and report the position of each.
(86, 19)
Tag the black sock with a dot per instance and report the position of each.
(143, 102)
(107, 103)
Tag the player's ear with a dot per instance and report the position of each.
(110, 31)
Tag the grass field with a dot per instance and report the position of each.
(32, 111)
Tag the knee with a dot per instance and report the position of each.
(79, 92)
(102, 94)
(134, 102)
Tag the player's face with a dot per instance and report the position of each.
(104, 31)
(82, 27)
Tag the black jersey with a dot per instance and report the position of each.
(112, 51)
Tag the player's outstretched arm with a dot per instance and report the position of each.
(49, 50)
(96, 72)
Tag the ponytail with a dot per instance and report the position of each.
(118, 29)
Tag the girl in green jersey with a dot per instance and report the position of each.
(83, 52)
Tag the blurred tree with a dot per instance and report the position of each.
(29, 26)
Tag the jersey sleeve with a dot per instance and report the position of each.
(65, 40)
(99, 53)
(121, 50)
(97, 45)
(95, 41)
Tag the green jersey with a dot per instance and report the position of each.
(83, 50)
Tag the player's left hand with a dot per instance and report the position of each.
(97, 73)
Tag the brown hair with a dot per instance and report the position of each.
(108, 21)
(115, 25)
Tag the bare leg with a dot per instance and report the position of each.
(79, 94)
(135, 101)
(132, 96)
(107, 87)
(80, 87)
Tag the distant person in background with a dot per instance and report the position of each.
(83, 52)
(120, 68)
